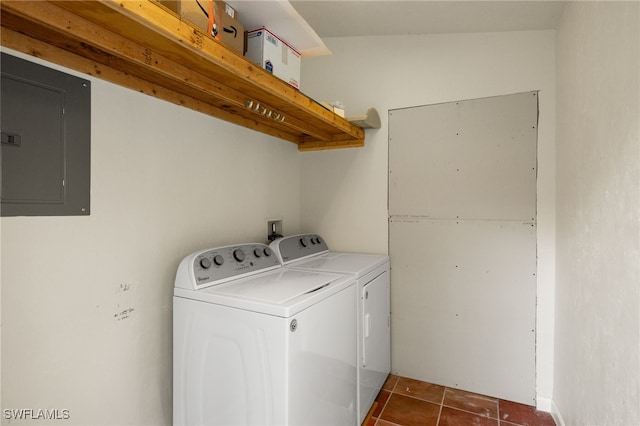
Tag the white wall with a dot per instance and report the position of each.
(597, 365)
(166, 181)
(344, 193)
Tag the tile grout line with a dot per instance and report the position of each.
(441, 405)
(484, 397)
(388, 399)
(499, 421)
(474, 413)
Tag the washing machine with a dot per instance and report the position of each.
(255, 343)
(310, 252)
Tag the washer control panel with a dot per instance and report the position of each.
(218, 265)
(296, 247)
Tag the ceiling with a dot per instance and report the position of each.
(347, 18)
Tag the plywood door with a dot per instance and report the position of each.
(462, 241)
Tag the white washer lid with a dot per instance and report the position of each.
(358, 264)
(281, 292)
(276, 288)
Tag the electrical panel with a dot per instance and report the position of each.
(45, 116)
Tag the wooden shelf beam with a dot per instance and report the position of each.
(144, 46)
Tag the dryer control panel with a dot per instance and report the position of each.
(219, 265)
(296, 247)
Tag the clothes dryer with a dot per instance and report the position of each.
(259, 344)
(310, 252)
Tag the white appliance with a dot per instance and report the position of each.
(258, 344)
(310, 252)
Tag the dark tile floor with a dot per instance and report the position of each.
(408, 402)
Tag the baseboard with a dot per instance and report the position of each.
(547, 404)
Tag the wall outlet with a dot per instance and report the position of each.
(274, 230)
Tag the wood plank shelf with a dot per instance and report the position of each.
(144, 46)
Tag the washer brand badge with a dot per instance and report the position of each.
(203, 278)
(268, 66)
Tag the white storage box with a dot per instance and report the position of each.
(275, 55)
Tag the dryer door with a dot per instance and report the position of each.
(376, 339)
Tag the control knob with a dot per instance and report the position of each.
(238, 255)
(267, 251)
(218, 260)
(303, 241)
(205, 263)
(257, 252)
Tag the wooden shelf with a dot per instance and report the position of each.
(144, 46)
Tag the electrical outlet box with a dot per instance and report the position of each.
(274, 229)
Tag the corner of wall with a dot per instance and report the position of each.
(549, 406)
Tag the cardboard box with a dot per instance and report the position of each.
(225, 24)
(275, 55)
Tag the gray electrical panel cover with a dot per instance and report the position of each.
(45, 117)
